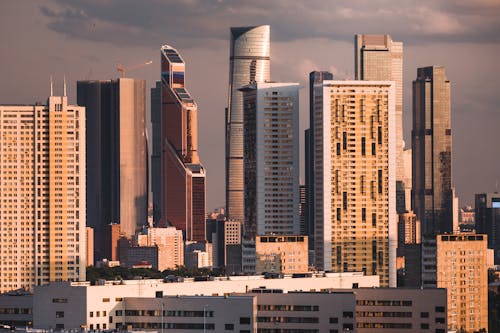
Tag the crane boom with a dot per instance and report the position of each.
(123, 70)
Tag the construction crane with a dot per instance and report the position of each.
(123, 70)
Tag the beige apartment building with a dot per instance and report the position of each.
(355, 201)
(169, 243)
(42, 194)
(462, 270)
(281, 254)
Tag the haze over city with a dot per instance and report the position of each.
(87, 40)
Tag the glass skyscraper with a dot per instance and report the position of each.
(249, 62)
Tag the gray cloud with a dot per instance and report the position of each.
(138, 23)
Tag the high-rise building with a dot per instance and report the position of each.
(487, 219)
(156, 175)
(271, 143)
(302, 210)
(462, 270)
(432, 195)
(408, 229)
(249, 62)
(379, 58)
(170, 246)
(183, 175)
(354, 144)
(42, 194)
(314, 78)
(116, 157)
(89, 241)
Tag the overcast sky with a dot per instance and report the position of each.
(87, 39)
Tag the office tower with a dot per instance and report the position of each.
(431, 149)
(302, 210)
(116, 157)
(379, 58)
(183, 174)
(156, 175)
(42, 194)
(354, 144)
(462, 270)
(408, 229)
(487, 219)
(271, 161)
(314, 78)
(248, 62)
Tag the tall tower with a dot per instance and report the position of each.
(248, 62)
(183, 175)
(156, 175)
(487, 217)
(116, 157)
(271, 130)
(431, 150)
(354, 179)
(379, 58)
(42, 194)
(315, 77)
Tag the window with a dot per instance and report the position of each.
(440, 309)
(348, 314)
(59, 314)
(117, 313)
(424, 314)
(245, 320)
(424, 326)
(334, 320)
(348, 327)
(229, 327)
(91, 314)
(440, 320)
(105, 300)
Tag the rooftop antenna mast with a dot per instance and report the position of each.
(51, 87)
(64, 86)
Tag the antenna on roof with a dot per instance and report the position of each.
(51, 87)
(64, 86)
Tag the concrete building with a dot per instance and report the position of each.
(432, 196)
(281, 254)
(227, 234)
(462, 270)
(169, 243)
(379, 58)
(155, 168)
(487, 220)
(42, 194)
(116, 157)
(89, 242)
(315, 77)
(355, 208)
(16, 309)
(249, 61)
(198, 255)
(184, 187)
(271, 131)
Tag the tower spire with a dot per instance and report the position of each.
(64, 86)
(51, 87)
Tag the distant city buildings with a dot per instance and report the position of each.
(271, 162)
(432, 196)
(169, 243)
(487, 220)
(116, 157)
(183, 175)
(249, 61)
(281, 254)
(355, 178)
(42, 194)
(156, 153)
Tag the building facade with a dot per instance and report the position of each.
(462, 270)
(432, 196)
(249, 62)
(184, 183)
(169, 243)
(487, 220)
(379, 58)
(42, 194)
(156, 175)
(281, 254)
(355, 213)
(271, 128)
(116, 157)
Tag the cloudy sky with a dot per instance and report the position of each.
(87, 39)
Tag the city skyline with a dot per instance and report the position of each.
(96, 37)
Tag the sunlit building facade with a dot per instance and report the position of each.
(183, 180)
(42, 194)
(249, 62)
(355, 213)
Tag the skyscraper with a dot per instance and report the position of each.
(156, 175)
(379, 58)
(42, 194)
(487, 219)
(314, 78)
(431, 150)
(271, 162)
(249, 62)
(354, 178)
(183, 174)
(116, 157)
